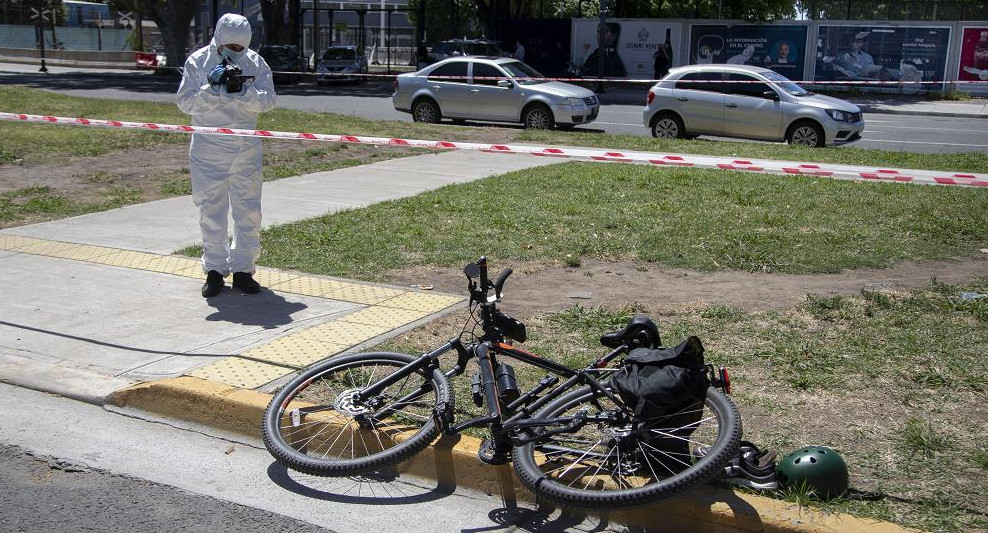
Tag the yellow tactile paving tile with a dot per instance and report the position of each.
(177, 265)
(307, 285)
(295, 351)
(13, 242)
(384, 316)
(345, 333)
(45, 247)
(420, 301)
(82, 252)
(270, 278)
(360, 293)
(126, 259)
(241, 372)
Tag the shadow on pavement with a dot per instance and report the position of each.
(266, 309)
(375, 488)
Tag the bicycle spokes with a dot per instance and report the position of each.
(325, 420)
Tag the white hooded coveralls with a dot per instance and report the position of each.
(226, 170)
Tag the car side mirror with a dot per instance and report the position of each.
(506, 84)
(771, 95)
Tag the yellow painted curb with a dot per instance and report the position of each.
(452, 461)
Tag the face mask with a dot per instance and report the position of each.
(231, 54)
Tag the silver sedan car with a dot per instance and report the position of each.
(494, 89)
(747, 102)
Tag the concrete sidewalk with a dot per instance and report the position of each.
(97, 302)
(97, 308)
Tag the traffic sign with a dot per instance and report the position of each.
(43, 14)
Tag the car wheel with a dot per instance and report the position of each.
(668, 126)
(538, 117)
(806, 134)
(426, 111)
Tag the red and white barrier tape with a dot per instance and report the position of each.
(929, 177)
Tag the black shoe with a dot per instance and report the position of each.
(245, 282)
(214, 284)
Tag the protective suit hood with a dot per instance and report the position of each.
(231, 29)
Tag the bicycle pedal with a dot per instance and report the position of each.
(489, 454)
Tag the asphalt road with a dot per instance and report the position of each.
(55, 496)
(372, 100)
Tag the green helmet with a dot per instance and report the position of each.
(818, 468)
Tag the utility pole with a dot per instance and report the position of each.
(41, 15)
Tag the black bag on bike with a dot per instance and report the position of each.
(666, 388)
(656, 382)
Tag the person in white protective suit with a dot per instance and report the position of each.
(225, 169)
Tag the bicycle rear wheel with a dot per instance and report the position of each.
(612, 462)
(315, 425)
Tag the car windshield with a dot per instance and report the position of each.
(338, 54)
(517, 69)
(785, 84)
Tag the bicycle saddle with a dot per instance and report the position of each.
(640, 332)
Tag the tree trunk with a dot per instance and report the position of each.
(173, 19)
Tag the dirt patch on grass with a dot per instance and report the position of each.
(542, 287)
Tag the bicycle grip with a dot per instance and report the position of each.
(499, 282)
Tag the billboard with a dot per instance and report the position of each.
(630, 47)
(778, 47)
(908, 54)
(973, 66)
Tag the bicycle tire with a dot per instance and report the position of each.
(720, 445)
(341, 428)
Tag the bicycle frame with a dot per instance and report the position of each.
(486, 350)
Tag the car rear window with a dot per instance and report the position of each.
(695, 81)
(337, 54)
(450, 72)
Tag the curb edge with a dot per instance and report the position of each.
(452, 462)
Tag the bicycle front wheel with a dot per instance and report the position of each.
(316, 425)
(611, 461)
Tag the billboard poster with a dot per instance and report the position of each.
(911, 55)
(778, 47)
(973, 66)
(633, 48)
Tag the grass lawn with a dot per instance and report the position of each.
(699, 219)
(893, 380)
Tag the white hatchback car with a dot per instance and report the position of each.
(747, 102)
(495, 89)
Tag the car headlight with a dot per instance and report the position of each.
(572, 101)
(839, 116)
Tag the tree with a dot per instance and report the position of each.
(894, 9)
(281, 24)
(173, 19)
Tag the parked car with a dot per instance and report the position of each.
(287, 64)
(341, 63)
(496, 89)
(761, 104)
(465, 47)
